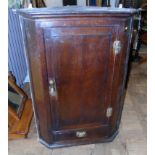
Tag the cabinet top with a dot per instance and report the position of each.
(73, 10)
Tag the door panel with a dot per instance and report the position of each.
(80, 60)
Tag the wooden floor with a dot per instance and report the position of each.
(132, 137)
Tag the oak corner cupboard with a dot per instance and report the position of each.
(77, 59)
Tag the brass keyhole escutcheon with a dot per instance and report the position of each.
(52, 87)
(117, 47)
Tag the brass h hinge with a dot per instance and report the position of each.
(81, 134)
(109, 112)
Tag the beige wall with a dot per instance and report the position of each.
(50, 3)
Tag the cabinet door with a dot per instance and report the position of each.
(80, 66)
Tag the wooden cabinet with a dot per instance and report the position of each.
(77, 58)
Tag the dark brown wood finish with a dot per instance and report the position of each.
(75, 73)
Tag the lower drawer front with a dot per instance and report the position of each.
(75, 134)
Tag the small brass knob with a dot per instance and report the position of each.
(126, 28)
(51, 82)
